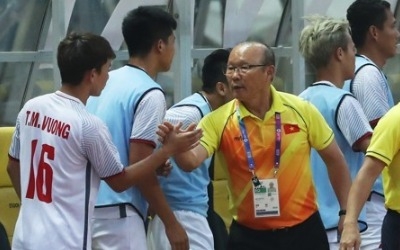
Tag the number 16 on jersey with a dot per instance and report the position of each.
(42, 181)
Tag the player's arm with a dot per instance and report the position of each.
(13, 165)
(105, 159)
(14, 172)
(362, 144)
(174, 143)
(191, 159)
(149, 185)
(339, 175)
(358, 195)
(338, 172)
(186, 115)
(368, 88)
(356, 128)
(151, 190)
(322, 139)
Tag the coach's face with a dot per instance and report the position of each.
(248, 76)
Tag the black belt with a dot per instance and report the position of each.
(277, 230)
(122, 209)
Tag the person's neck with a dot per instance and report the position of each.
(146, 64)
(213, 100)
(374, 55)
(76, 91)
(259, 106)
(331, 75)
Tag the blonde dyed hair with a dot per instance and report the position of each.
(321, 37)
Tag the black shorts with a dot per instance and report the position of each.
(308, 235)
(391, 231)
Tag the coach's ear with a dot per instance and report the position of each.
(270, 71)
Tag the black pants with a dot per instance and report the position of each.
(308, 235)
(391, 231)
(4, 245)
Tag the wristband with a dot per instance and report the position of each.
(342, 212)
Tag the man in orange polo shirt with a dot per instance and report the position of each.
(265, 136)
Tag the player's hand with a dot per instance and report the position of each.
(177, 140)
(350, 239)
(177, 236)
(164, 129)
(165, 169)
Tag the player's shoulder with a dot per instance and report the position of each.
(367, 71)
(294, 101)
(40, 99)
(90, 122)
(94, 121)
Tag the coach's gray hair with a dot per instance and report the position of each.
(321, 37)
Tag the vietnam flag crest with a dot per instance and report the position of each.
(291, 128)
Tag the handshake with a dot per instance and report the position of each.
(176, 140)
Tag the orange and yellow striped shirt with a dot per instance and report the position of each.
(303, 127)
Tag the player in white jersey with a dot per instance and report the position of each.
(375, 35)
(59, 152)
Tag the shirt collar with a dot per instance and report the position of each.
(67, 96)
(276, 106)
(328, 83)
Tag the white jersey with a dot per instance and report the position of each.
(63, 152)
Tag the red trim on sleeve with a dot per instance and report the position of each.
(112, 176)
(150, 143)
(373, 123)
(355, 146)
(12, 158)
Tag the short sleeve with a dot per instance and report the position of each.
(148, 115)
(352, 121)
(99, 149)
(369, 89)
(385, 139)
(320, 135)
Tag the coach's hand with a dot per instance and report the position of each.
(350, 239)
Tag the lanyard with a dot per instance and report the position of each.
(246, 142)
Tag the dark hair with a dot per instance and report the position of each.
(79, 52)
(144, 26)
(213, 69)
(362, 14)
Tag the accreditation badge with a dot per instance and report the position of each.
(266, 198)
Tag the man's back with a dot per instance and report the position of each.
(58, 185)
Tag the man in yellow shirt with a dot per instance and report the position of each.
(265, 136)
(383, 155)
